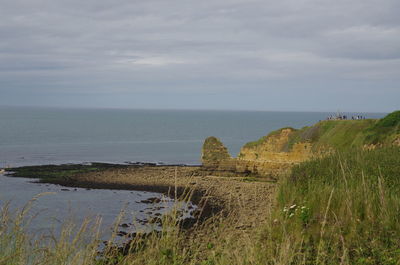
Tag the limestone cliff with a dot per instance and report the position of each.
(264, 158)
(277, 152)
(270, 156)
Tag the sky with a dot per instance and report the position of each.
(287, 55)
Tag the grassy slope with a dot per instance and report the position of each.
(336, 134)
(385, 129)
(343, 134)
(346, 209)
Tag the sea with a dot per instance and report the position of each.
(38, 136)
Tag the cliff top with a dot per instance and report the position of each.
(340, 134)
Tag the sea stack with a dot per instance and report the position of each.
(215, 155)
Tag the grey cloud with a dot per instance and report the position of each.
(178, 46)
(364, 42)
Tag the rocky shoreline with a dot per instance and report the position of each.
(220, 196)
(237, 202)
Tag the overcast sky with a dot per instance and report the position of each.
(304, 55)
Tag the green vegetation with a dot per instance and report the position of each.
(343, 134)
(80, 244)
(391, 120)
(385, 130)
(19, 247)
(341, 209)
(339, 135)
(264, 138)
(56, 173)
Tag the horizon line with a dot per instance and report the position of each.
(183, 109)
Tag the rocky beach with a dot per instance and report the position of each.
(239, 198)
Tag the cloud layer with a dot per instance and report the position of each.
(236, 54)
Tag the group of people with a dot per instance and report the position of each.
(344, 117)
(358, 117)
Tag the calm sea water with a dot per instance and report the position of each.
(56, 206)
(33, 136)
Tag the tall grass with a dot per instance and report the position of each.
(82, 244)
(18, 246)
(342, 209)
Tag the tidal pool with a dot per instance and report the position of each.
(58, 205)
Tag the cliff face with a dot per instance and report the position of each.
(266, 158)
(269, 157)
(277, 152)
